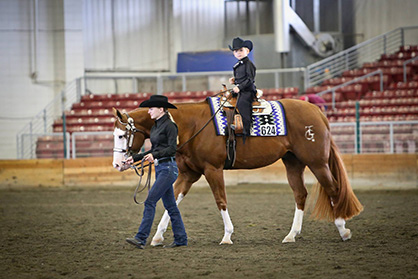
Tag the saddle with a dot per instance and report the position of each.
(234, 120)
(260, 106)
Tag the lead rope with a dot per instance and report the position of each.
(140, 173)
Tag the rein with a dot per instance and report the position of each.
(210, 119)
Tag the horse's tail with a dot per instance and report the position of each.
(347, 205)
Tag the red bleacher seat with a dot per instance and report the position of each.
(290, 92)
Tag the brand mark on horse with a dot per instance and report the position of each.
(309, 134)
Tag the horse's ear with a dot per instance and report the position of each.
(117, 113)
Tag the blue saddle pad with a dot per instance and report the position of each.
(269, 125)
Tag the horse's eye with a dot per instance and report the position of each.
(120, 137)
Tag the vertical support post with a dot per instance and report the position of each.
(64, 133)
(17, 147)
(183, 83)
(247, 15)
(391, 138)
(276, 80)
(85, 86)
(257, 18)
(115, 81)
(68, 145)
(78, 89)
(64, 125)
(307, 77)
(44, 118)
(159, 85)
(333, 98)
(21, 147)
(225, 19)
(317, 27)
(347, 64)
(402, 37)
(30, 140)
(340, 17)
(358, 127)
(381, 80)
(304, 80)
(134, 85)
(73, 145)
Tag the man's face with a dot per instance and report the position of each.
(241, 53)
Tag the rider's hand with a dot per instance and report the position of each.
(232, 80)
(236, 89)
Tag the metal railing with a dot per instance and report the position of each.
(159, 78)
(83, 134)
(355, 56)
(376, 137)
(30, 140)
(41, 124)
(387, 136)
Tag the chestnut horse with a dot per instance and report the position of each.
(308, 143)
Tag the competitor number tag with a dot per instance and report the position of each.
(268, 130)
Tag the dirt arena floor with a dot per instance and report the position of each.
(80, 233)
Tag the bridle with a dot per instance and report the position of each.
(131, 130)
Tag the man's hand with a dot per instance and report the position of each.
(236, 89)
(232, 80)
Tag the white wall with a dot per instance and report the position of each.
(146, 35)
(59, 59)
(374, 18)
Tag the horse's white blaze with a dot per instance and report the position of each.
(296, 226)
(229, 228)
(158, 238)
(119, 143)
(344, 233)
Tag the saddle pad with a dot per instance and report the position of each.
(270, 125)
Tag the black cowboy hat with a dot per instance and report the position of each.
(238, 43)
(157, 101)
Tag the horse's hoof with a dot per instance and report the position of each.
(347, 235)
(288, 239)
(229, 242)
(157, 242)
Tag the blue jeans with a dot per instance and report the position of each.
(165, 175)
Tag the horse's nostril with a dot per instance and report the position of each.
(115, 165)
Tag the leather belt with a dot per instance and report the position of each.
(163, 160)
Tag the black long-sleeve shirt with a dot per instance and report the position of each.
(163, 138)
(244, 74)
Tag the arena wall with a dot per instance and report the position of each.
(371, 171)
